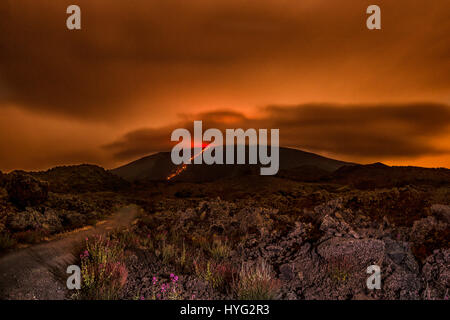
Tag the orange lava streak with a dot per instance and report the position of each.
(183, 167)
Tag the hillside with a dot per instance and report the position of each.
(378, 175)
(159, 166)
(80, 178)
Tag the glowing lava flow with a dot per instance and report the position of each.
(183, 167)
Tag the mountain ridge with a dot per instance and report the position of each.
(159, 166)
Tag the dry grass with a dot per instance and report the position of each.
(256, 282)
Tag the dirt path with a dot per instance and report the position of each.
(39, 272)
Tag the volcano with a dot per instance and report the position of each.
(159, 167)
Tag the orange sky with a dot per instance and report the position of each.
(113, 91)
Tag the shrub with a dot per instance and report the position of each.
(256, 282)
(133, 240)
(104, 249)
(200, 242)
(168, 253)
(161, 236)
(219, 250)
(30, 236)
(25, 190)
(182, 259)
(216, 274)
(6, 241)
(103, 272)
(147, 242)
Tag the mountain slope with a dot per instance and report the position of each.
(154, 167)
(159, 166)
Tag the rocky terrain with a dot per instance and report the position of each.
(35, 206)
(297, 240)
(316, 252)
(308, 233)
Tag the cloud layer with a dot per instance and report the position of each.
(351, 131)
(135, 58)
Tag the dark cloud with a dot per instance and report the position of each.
(357, 131)
(136, 57)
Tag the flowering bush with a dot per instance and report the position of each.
(6, 241)
(147, 242)
(166, 290)
(103, 272)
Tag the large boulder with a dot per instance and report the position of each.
(337, 269)
(25, 190)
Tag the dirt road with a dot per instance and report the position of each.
(39, 272)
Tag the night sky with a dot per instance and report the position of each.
(114, 91)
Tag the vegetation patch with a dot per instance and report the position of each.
(103, 270)
(256, 282)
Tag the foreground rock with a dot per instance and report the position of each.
(436, 274)
(335, 266)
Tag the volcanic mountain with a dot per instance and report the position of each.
(293, 162)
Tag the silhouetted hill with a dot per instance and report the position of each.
(306, 173)
(379, 175)
(159, 166)
(80, 178)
